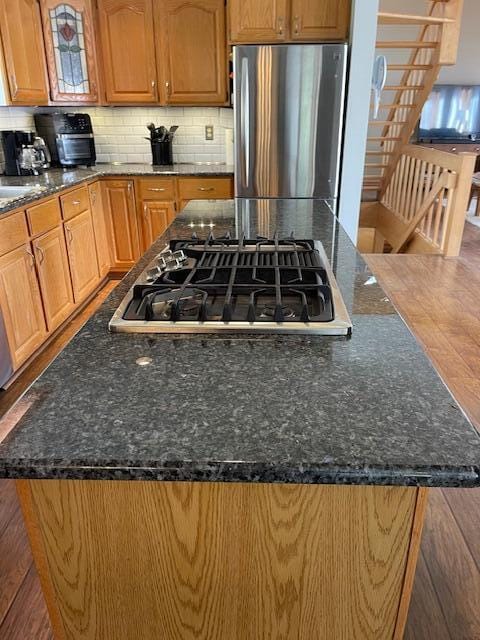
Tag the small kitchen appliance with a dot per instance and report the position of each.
(223, 284)
(69, 137)
(21, 156)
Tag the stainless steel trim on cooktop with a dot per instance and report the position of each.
(340, 325)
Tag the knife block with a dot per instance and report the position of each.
(162, 152)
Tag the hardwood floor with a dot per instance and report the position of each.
(444, 314)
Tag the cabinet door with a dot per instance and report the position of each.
(70, 49)
(54, 277)
(26, 70)
(100, 228)
(191, 38)
(126, 34)
(257, 22)
(21, 304)
(82, 255)
(121, 216)
(156, 217)
(313, 20)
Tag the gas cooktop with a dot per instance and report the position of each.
(225, 284)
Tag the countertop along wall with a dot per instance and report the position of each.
(120, 131)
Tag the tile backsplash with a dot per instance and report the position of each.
(120, 131)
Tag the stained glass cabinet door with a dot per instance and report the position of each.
(70, 47)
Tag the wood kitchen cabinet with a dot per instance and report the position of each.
(128, 50)
(21, 304)
(253, 21)
(288, 20)
(313, 20)
(156, 217)
(100, 228)
(70, 50)
(54, 277)
(82, 255)
(23, 52)
(190, 37)
(119, 203)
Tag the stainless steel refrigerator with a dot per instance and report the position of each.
(288, 104)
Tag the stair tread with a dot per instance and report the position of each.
(404, 18)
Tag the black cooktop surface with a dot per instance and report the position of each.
(235, 280)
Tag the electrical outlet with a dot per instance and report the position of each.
(209, 132)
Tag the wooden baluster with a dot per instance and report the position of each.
(456, 219)
(430, 215)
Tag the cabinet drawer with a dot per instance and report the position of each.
(205, 188)
(157, 188)
(13, 232)
(75, 202)
(43, 217)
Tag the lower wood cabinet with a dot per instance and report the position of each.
(54, 277)
(156, 217)
(100, 228)
(82, 255)
(119, 202)
(21, 304)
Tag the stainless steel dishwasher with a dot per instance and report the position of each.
(6, 368)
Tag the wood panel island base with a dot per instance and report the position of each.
(243, 561)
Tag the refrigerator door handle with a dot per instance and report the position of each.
(245, 122)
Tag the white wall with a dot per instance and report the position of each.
(120, 131)
(362, 50)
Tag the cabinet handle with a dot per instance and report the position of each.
(69, 234)
(129, 187)
(145, 211)
(156, 189)
(280, 25)
(41, 252)
(205, 188)
(153, 84)
(76, 202)
(93, 196)
(32, 257)
(296, 24)
(167, 86)
(13, 82)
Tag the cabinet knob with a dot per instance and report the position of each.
(167, 86)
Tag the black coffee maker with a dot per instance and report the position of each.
(22, 158)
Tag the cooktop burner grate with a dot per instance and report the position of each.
(228, 280)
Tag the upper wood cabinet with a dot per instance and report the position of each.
(21, 304)
(128, 50)
(70, 49)
(254, 21)
(313, 20)
(288, 20)
(190, 36)
(23, 52)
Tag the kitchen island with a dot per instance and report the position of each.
(262, 537)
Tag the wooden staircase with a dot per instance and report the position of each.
(434, 45)
(413, 67)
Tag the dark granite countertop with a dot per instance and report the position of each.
(310, 409)
(55, 180)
